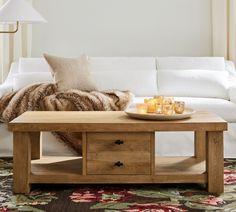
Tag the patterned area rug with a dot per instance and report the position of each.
(130, 198)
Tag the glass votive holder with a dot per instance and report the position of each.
(159, 109)
(159, 99)
(168, 100)
(148, 100)
(179, 107)
(151, 106)
(168, 109)
(142, 108)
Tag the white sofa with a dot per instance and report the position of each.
(204, 83)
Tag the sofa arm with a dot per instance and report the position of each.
(232, 94)
(5, 88)
(230, 68)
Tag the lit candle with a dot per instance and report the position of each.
(142, 108)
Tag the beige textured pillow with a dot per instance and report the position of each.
(71, 73)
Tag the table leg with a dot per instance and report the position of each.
(200, 144)
(84, 153)
(215, 162)
(21, 162)
(153, 156)
(36, 145)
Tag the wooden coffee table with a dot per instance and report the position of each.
(116, 149)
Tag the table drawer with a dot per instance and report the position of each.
(118, 153)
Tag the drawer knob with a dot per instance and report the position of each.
(119, 142)
(119, 164)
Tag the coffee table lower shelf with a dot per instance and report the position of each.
(68, 170)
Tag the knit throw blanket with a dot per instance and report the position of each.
(45, 97)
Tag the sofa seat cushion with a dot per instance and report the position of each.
(223, 108)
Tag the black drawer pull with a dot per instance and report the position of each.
(119, 142)
(119, 164)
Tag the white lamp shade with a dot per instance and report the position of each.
(21, 11)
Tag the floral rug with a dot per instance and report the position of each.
(129, 198)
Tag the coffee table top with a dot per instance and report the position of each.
(110, 121)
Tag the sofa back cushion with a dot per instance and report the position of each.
(185, 63)
(21, 80)
(193, 83)
(138, 75)
(33, 65)
(124, 73)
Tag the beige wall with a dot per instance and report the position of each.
(124, 27)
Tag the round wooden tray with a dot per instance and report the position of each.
(132, 112)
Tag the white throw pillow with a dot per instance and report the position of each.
(139, 82)
(193, 83)
(23, 79)
(33, 65)
(137, 74)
